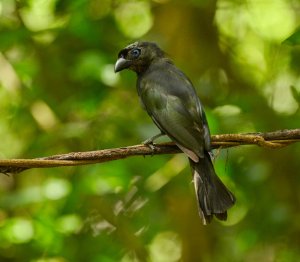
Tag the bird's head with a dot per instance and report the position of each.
(138, 56)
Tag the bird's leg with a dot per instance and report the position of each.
(149, 141)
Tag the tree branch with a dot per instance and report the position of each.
(272, 140)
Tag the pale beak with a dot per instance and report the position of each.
(121, 64)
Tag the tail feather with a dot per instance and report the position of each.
(213, 197)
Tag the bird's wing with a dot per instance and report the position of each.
(173, 105)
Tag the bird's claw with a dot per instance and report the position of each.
(151, 139)
(149, 142)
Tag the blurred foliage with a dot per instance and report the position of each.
(58, 93)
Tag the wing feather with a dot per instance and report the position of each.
(172, 103)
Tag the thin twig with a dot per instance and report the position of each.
(272, 140)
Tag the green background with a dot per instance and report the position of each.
(59, 93)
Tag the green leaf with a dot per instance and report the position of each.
(295, 93)
(293, 39)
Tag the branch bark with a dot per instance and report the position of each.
(276, 139)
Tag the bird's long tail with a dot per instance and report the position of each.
(212, 195)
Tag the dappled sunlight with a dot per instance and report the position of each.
(69, 224)
(39, 15)
(43, 115)
(227, 110)
(165, 247)
(275, 24)
(59, 94)
(272, 20)
(279, 95)
(163, 175)
(134, 18)
(108, 76)
(55, 188)
(18, 230)
(8, 77)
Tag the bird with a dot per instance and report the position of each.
(170, 99)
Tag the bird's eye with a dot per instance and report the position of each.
(135, 53)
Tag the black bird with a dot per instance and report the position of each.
(171, 101)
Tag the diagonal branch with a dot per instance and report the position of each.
(273, 140)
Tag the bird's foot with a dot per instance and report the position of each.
(150, 141)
